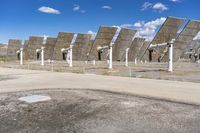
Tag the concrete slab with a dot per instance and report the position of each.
(34, 98)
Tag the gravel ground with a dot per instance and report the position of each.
(86, 111)
(183, 71)
(6, 77)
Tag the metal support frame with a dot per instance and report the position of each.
(126, 57)
(198, 54)
(69, 55)
(110, 57)
(94, 62)
(189, 53)
(21, 55)
(161, 45)
(135, 61)
(110, 54)
(170, 51)
(42, 54)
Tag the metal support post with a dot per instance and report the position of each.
(21, 56)
(170, 65)
(70, 52)
(126, 60)
(110, 57)
(42, 56)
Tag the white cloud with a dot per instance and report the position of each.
(139, 24)
(116, 26)
(93, 34)
(146, 30)
(48, 10)
(77, 8)
(153, 24)
(146, 5)
(160, 7)
(156, 7)
(107, 7)
(175, 0)
(125, 25)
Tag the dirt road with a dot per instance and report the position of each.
(12, 80)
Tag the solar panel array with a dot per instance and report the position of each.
(25, 49)
(185, 38)
(34, 43)
(80, 48)
(103, 38)
(123, 42)
(3, 50)
(13, 46)
(49, 47)
(135, 48)
(167, 32)
(86, 49)
(196, 46)
(63, 41)
(143, 53)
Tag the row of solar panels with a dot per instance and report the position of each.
(169, 30)
(86, 49)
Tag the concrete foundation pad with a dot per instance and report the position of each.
(35, 98)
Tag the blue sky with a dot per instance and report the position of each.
(21, 18)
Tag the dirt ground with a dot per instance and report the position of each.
(92, 111)
(99, 111)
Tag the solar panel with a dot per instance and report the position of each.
(25, 49)
(49, 47)
(185, 37)
(192, 47)
(135, 48)
(167, 32)
(88, 51)
(103, 38)
(3, 50)
(80, 47)
(13, 46)
(142, 53)
(123, 42)
(196, 46)
(34, 43)
(63, 41)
